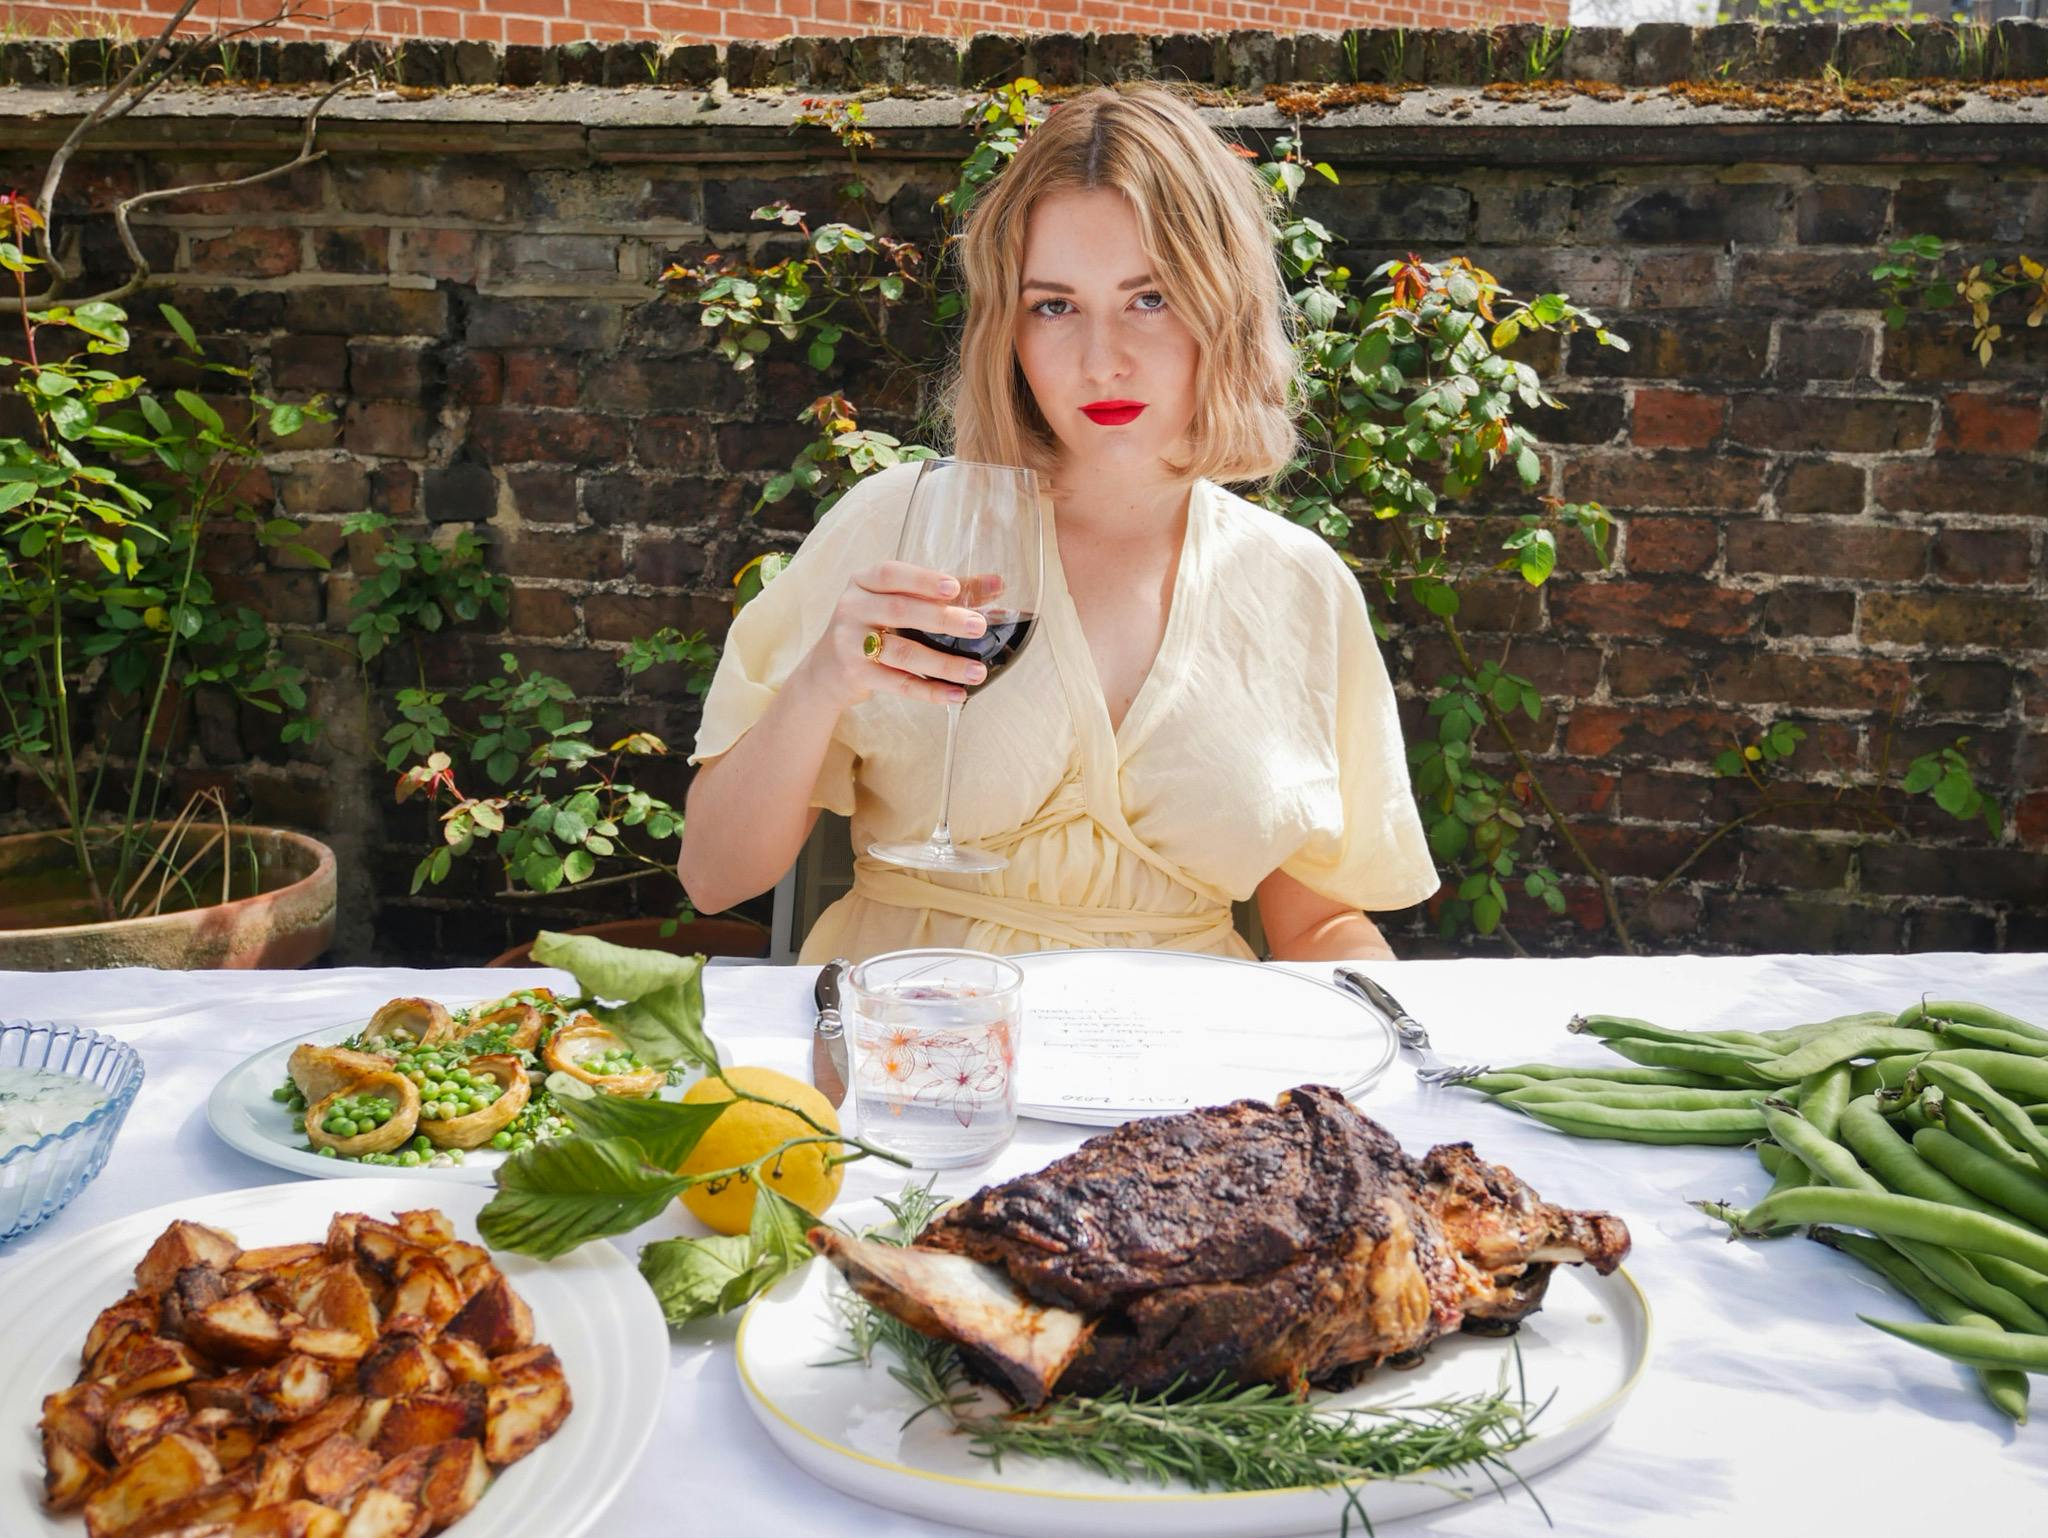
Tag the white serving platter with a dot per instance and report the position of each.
(592, 1306)
(1585, 1351)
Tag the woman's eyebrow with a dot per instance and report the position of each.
(1060, 288)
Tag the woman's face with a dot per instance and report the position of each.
(1110, 364)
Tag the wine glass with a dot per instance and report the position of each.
(980, 524)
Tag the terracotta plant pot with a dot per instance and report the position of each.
(699, 937)
(288, 923)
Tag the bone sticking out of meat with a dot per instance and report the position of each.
(1291, 1243)
(1022, 1345)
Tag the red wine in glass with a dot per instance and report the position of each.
(995, 648)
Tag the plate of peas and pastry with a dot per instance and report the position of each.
(423, 1086)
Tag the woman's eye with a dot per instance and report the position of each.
(1151, 302)
(1040, 308)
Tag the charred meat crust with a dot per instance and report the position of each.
(1294, 1243)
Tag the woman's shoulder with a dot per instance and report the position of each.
(1282, 549)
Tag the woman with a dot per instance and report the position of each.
(1203, 715)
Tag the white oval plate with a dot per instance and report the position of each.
(591, 1305)
(1110, 1035)
(243, 1115)
(1588, 1346)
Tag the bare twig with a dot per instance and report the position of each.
(46, 199)
(142, 274)
(122, 99)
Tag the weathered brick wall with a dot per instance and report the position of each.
(570, 21)
(1819, 518)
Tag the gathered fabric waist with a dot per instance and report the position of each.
(1062, 923)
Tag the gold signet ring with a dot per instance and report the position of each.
(871, 646)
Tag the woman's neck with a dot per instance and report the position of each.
(1106, 504)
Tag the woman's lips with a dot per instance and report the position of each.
(1112, 413)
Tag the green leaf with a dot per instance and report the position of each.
(1528, 466)
(1955, 794)
(778, 1228)
(566, 1191)
(655, 1001)
(665, 1130)
(14, 493)
(182, 326)
(286, 419)
(1486, 912)
(577, 865)
(693, 1278)
(1920, 777)
(198, 410)
(1448, 838)
(821, 355)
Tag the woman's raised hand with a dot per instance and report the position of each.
(886, 599)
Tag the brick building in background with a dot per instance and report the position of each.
(568, 21)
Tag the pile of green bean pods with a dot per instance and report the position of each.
(1927, 1130)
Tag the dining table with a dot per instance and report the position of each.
(1766, 1408)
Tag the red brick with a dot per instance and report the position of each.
(308, 363)
(1676, 419)
(673, 442)
(1656, 795)
(1955, 619)
(2030, 820)
(1828, 549)
(1685, 545)
(541, 379)
(446, 254)
(1677, 280)
(1633, 671)
(507, 435)
(542, 613)
(1989, 424)
(590, 554)
(1986, 557)
(1626, 480)
(627, 617)
(1664, 609)
(1668, 733)
(1950, 483)
(1749, 922)
(1833, 424)
(394, 428)
(1821, 486)
(1821, 683)
(255, 252)
(362, 250)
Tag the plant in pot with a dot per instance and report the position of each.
(110, 629)
(112, 495)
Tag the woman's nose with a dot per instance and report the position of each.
(1103, 355)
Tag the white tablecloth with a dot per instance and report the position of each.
(1768, 1409)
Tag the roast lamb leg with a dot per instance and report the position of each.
(1292, 1243)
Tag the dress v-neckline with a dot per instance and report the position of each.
(1077, 662)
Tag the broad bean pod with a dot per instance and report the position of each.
(1963, 1012)
(2011, 1120)
(2003, 1182)
(1843, 1046)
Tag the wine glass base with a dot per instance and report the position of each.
(960, 859)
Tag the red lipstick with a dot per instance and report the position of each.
(1112, 413)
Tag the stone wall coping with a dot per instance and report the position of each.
(1652, 54)
(1424, 124)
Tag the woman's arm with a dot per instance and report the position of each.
(749, 810)
(1304, 925)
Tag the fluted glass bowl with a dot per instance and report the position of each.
(38, 1179)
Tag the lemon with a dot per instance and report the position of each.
(746, 1131)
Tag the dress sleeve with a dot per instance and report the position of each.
(777, 628)
(1372, 854)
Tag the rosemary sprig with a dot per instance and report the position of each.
(1225, 1436)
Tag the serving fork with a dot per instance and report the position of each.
(1431, 1070)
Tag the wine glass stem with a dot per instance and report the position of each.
(942, 835)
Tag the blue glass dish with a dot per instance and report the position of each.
(38, 1179)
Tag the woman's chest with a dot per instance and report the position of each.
(1122, 601)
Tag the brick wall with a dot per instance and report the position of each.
(1819, 518)
(569, 21)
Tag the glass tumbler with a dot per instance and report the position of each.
(934, 1036)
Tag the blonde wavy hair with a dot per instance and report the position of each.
(1206, 222)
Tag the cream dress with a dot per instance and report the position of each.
(1264, 738)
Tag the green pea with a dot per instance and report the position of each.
(409, 1159)
(327, 1153)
